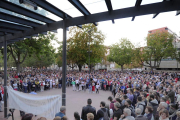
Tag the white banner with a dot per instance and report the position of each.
(44, 106)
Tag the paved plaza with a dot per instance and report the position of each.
(75, 101)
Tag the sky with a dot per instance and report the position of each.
(136, 31)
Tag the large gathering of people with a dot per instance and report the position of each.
(133, 95)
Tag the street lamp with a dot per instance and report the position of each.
(176, 52)
(89, 50)
(131, 65)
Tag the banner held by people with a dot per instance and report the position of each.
(45, 106)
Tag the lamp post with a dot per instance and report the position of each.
(89, 50)
(131, 65)
(176, 49)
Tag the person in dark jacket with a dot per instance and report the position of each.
(149, 113)
(138, 112)
(112, 102)
(29, 86)
(117, 111)
(103, 112)
(154, 104)
(60, 83)
(171, 94)
(88, 109)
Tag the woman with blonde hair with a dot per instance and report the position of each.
(90, 116)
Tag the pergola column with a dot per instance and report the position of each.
(64, 65)
(5, 78)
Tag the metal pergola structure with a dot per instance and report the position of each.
(13, 28)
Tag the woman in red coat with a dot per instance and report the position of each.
(93, 86)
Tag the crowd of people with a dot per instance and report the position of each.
(135, 95)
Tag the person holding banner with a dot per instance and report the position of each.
(27, 117)
(33, 92)
(62, 112)
(15, 86)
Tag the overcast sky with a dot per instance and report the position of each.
(135, 31)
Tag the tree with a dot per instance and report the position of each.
(138, 57)
(59, 61)
(121, 53)
(159, 46)
(35, 45)
(45, 59)
(176, 52)
(78, 47)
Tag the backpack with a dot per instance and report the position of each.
(105, 117)
(155, 106)
(132, 111)
(144, 106)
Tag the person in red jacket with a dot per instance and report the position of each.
(2, 91)
(0, 101)
(176, 80)
(16, 76)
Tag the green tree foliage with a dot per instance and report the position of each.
(176, 52)
(59, 60)
(138, 57)
(59, 55)
(121, 53)
(44, 59)
(38, 46)
(77, 46)
(159, 46)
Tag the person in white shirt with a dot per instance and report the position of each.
(51, 83)
(15, 86)
(54, 83)
(97, 88)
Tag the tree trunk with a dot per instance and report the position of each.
(18, 67)
(151, 69)
(80, 67)
(121, 67)
(90, 67)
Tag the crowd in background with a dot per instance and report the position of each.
(135, 95)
